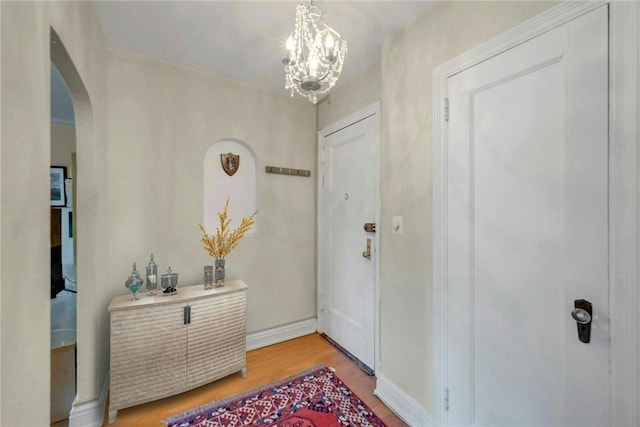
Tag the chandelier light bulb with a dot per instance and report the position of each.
(313, 66)
(329, 43)
(315, 54)
(291, 46)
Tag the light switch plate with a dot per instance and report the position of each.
(396, 225)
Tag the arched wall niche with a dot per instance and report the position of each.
(241, 188)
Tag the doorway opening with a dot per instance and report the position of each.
(63, 260)
(71, 132)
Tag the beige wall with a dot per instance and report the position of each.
(351, 96)
(446, 30)
(63, 143)
(24, 208)
(162, 119)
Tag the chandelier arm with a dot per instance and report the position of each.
(324, 76)
(294, 79)
(329, 70)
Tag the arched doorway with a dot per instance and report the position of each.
(62, 238)
(85, 331)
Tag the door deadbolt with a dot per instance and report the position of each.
(370, 227)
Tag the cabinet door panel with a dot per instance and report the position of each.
(148, 354)
(216, 338)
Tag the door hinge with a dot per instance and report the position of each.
(446, 399)
(446, 109)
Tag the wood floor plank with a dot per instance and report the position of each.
(264, 365)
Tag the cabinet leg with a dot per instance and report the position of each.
(244, 372)
(113, 413)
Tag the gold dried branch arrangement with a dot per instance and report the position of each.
(220, 244)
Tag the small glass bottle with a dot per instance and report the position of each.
(152, 277)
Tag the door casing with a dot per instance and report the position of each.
(370, 110)
(624, 184)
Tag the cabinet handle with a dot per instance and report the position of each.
(187, 314)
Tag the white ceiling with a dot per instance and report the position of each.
(244, 40)
(240, 40)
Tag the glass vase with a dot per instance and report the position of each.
(219, 273)
(208, 277)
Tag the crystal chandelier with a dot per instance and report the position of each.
(315, 54)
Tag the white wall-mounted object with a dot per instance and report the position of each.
(165, 345)
(397, 226)
(241, 188)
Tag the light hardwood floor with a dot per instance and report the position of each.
(264, 365)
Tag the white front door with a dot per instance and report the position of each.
(527, 212)
(348, 199)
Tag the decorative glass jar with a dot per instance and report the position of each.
(152, 277)
(169, 281)
(133, 283)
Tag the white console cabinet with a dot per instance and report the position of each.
(165, 345)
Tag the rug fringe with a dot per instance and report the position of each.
(245, 393)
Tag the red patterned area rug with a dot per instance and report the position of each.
(314, 398)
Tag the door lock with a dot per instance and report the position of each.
(370, 227)
(367, 253)
(582, 314)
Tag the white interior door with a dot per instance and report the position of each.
(527, 212)
(348, 194)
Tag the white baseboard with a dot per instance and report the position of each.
(403, 405)
(281, 333)
(90, 414)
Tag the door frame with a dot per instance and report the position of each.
(624, 186)
(370, 110)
